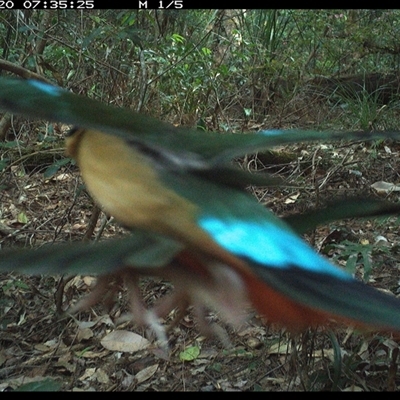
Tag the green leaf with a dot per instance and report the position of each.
(22, 218)
(177, 38)
(53, 168)
(3, 163)
(9, 145)
(13, 285)
(190, 353)
(47, 385)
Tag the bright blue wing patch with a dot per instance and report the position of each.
(267, 244)
(45, 87)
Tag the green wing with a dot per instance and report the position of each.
(139, 250)
(39, 100)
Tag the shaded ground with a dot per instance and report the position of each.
(73, 353)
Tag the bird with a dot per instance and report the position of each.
(225, 250)
(221, 225)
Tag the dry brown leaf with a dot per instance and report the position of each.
(88, 374)
(292, 198)
(146, 373)
(122, 340)
(92, 354)
(383, 187)
(84, 334)
(280, 348)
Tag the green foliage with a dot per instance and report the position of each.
(362, 108)
(3, 164)
(45, 385)
(14, 284)
(194, 64)
(54, 168)
(357, 254)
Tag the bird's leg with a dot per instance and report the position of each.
(208, 328)
(202, 284)
(178, 299)
(139, 313)
(105, 290)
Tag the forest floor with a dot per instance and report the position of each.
(90, 352)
